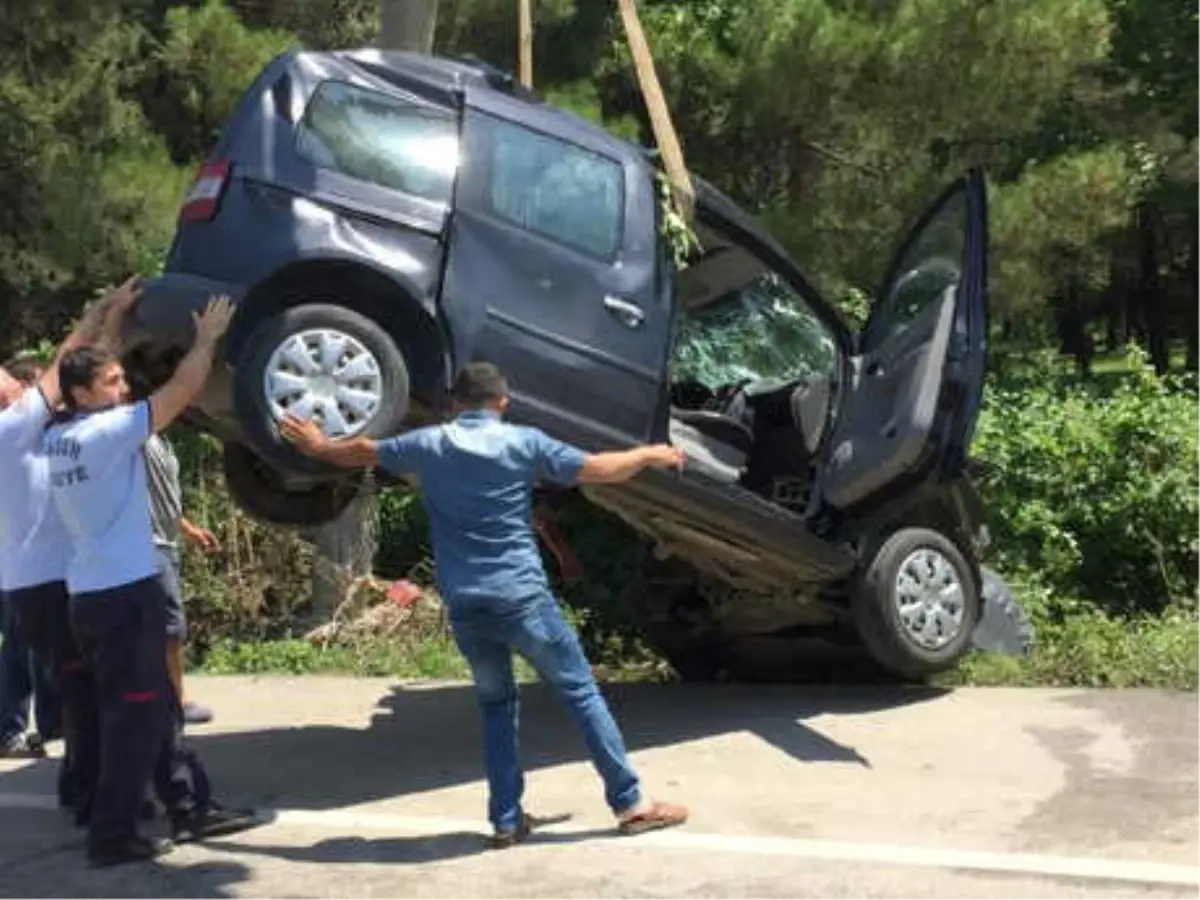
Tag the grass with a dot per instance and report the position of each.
(1095, 650)
(1084, 648)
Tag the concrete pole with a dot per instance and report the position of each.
(407, 25)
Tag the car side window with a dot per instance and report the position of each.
(380, 139)
(929, 266)
(553, 188)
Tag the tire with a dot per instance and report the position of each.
(389, 379)
(928, 560)
(259, 492)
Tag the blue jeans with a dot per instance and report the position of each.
(22, 674)
(488, 635)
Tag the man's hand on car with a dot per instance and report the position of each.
(212, 324)
(664, 456)
(304, 433)
(117, 305)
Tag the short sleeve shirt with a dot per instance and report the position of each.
(33, 548)
(477, 475)
(98, 482)
(166, 498)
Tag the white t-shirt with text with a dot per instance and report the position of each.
(98, 482)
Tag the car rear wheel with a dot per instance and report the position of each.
(917, 603)
(322, 362)
(257, 489)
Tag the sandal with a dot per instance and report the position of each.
(502, 840)
(659, 815)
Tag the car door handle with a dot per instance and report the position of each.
(629, 313)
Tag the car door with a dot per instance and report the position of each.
(916, 379)
(551, 271)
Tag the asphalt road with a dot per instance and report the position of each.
(373, 788)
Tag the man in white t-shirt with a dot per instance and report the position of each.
(33, 548)
(98, 482)
(25, 675)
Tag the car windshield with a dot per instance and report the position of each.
(759, 331)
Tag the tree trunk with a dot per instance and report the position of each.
(1150, 292)
(1193, 315)
(345, 548)
(525, 41)
(407, 25)
(1072, 331)
(665, 135)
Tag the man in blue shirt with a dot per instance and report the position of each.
(477, 475)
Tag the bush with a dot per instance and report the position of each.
(1095, 490)
(1080, 645)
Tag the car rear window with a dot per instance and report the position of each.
(381, 139)
(554, 188)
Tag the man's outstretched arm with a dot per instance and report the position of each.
(612, 468)
(101, 322)
(307, 437)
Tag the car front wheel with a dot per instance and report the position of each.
(916, 603)
(322, 362)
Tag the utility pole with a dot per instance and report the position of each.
(525, 41)
(407, 25)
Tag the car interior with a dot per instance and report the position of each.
(752, 374)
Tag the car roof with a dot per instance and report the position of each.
(437, 71)
(449, 77)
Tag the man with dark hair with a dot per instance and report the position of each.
(24, 673)
(34, 548)
(97, 476)
(477, 475)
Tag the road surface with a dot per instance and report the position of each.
(372, 788)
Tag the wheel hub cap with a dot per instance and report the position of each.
(929, 599)
(325, 375)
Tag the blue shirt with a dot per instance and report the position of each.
(33, 547)
(98, 482)
(477, 475)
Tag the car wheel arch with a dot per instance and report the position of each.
(369, 291)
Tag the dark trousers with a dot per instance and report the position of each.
(122, 632)
(43, 614)
(24, 673)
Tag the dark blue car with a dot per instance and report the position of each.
(382, 219)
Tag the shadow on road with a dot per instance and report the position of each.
(56, 867)
(425, 739)
(396, 850)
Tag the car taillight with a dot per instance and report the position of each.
(205, 196)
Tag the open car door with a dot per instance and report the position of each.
(916, 382)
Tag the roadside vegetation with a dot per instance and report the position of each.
(832, 120)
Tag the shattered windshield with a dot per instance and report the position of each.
(761, 330)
